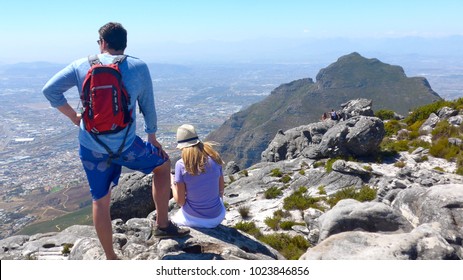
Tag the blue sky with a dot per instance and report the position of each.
(60, 31)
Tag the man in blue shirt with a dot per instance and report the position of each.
(145, 156)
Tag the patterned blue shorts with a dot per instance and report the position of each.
(101, 176)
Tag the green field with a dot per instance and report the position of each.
(80, 217)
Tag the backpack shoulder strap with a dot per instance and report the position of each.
(119, 59)
(93, 60)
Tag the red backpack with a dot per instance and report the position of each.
(105, 100)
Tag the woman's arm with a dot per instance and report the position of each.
(178, 192)
(221, 186)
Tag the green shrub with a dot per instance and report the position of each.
(302, 172)
(445, 129)
(300, 201)
(285, 179)
(281, 213)
(419, 143)
(392, 127)
(368, 168)
(389, 145)
(290, 247)
(276, 173)
(321, 190)
(249, 228)
(329, 164)
(273, 222)
(244, 211)
(459, 161)
(244, 172)
(273, 192)
(413, 134)
(318, 164)
(66, 249)
(287, 225)
(423, 112)
(414, 127)
(438, 168)
(400, 164)
(364, 194)
(384, 114)
(443, 149)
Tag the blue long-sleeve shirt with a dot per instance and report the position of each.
(137, 80)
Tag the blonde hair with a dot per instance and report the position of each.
(195, 157)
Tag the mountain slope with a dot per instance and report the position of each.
(247, 133)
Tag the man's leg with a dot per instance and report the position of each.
(161, 193)
(103, 226)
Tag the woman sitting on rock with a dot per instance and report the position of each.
(198, 183)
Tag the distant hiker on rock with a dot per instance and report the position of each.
(198, 183)
(107, 133)
(324, 116)
(334, 115)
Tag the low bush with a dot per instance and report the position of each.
(285, 179)
(392, 127)
(273, 192)
(290, 247)
(273, 222)
(244, 172)
(321, 190)
(287, 225)
(443, 149)
(244, 211)
(276, 173)
(300, 201)
(249, 228)
(422, 113)
(384, 114)
(363, 194)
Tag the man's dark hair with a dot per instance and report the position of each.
(115, 35)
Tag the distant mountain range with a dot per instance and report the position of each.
(247, 133)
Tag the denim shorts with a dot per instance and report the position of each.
(101, 175)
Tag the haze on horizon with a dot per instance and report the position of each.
(231, 31)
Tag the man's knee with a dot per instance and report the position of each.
(163, 168)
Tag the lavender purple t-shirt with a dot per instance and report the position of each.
(202, 191)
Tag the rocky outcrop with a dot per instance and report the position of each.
(357, 107)
(351, 215)
(133, 240)
(291, 143)
(134, 193)
(358, 135)
(423, 243)
(441, 204)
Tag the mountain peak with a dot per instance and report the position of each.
(354, 70)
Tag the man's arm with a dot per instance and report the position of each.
(69, 112)
(152, 139)
(55, 88)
